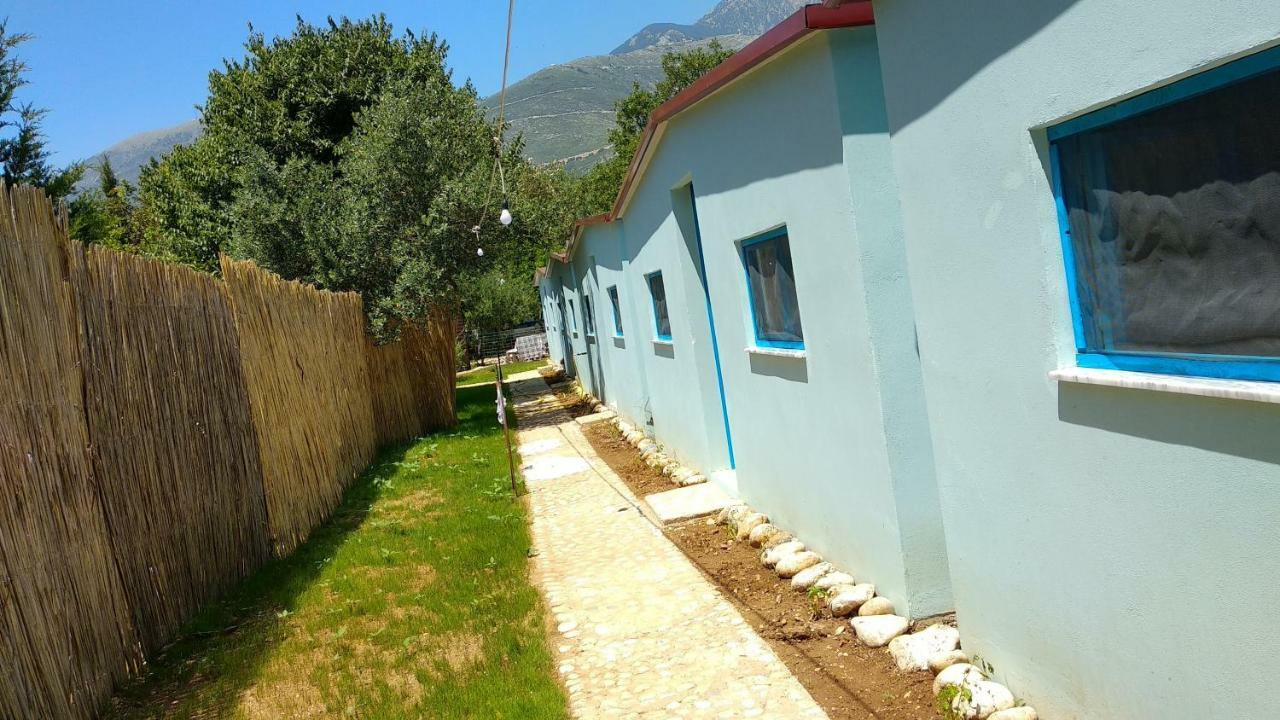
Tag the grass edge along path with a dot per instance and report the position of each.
(413, 601)
(489, 373)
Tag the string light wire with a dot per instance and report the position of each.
(498, 139)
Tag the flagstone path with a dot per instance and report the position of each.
(638, 631)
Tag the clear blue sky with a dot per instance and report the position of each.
(107, 69)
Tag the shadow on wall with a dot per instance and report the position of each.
(1229, 427)
(793, 369)
(1009, 23)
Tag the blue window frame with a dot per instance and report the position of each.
(771, 289)
(617, 311)
(661, 314)
(1169, 207)
(588, 320)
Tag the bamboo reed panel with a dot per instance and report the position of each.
(175, 452)
(412, 380)
(162, 434)
(66, 634)
(308, 383)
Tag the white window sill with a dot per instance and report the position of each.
(663, 343)
(776, 352)
(1252, 390)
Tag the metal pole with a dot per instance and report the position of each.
(506, 434)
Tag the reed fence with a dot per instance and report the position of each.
(164, 433)
(406, 378)
(304, 364)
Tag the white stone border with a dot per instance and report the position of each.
(936, 647)
(970, 692)
(652, 454)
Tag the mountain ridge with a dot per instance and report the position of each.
(564, 111)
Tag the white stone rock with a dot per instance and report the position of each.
(646, 445)
(762, 532)
(848, 598)
(694, 479)
(876, 606)
(834, 579)
(680, 473)
(782, 537)
(805, 579)
(731, 513)
(624, 427)
(600, 407)
(957, 674)
(749, 523)
(878, 630)
(912, 652)
(670, 468)
(771, 557)
(1026, 712)
(985, 698)
(942, 661)
(788, 566)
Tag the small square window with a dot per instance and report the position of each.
(771, 285)
(588, 321)
(617, 311)
(1168, 208)
(661, 317)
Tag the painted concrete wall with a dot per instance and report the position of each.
(1114, 552)
(834, 445)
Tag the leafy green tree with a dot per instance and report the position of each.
(346, 156)
(24, 157)
(105, 215)
(601, 185)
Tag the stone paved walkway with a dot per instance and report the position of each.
(639, 631)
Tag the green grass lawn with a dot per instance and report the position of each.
(489, 373)
(413, 601)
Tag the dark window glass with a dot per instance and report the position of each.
(661, 319)
(1174, 218)
(588, 321)
(771, 281)
(617, 311)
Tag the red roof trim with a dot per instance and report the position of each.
(786, 33)
(802, 23)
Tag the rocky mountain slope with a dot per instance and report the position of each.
(564, 111)
(129, 156)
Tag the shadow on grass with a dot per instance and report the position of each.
(231, 638)
(226, 654)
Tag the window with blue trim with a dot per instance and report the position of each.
(588, 320)
(771, 286)
(1169, 205)
(661, 316)
(573, 319)
(617, 311)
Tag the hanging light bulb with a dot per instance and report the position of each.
(505, 218)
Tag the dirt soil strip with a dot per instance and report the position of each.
(847, 679)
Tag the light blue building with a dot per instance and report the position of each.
(801, 379)
(1114, 551)
(1018, 352)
